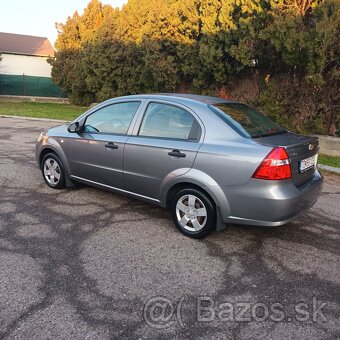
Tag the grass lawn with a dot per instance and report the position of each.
(329, 160)
(40, 110)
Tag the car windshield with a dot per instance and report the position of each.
(246, 121)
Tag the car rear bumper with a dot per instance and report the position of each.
(270, 203)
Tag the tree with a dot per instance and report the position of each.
(208, 46)
(90, 21)
(69, 34)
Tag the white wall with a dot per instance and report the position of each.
(14, 64)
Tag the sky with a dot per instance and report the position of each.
(38, 17)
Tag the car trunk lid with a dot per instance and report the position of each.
(299, 149)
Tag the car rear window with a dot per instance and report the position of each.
(246, 121)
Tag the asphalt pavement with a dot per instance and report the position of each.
(83, 263)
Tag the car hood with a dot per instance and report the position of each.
(59, 130)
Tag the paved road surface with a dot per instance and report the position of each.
(85, 263)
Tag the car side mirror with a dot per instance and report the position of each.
(73, 127)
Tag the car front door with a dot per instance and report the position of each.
(96, 153)
(164, 147)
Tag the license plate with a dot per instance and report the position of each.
(308, 163)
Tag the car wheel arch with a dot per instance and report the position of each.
(202, 181)
(44, 152)
(50, 149)
(171, 193)
(185, 185)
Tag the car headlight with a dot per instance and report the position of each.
(41, 137)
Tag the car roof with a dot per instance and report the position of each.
(181, 97)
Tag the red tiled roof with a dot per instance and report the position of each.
(25, 44)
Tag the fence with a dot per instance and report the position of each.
(329, 145)
(29, 86)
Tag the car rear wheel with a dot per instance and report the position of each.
(193, 213)
(53, 171)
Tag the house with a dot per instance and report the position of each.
(24, 69)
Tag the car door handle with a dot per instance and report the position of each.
(111, 146)
(177, 153)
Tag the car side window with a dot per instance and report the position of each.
(168, 121)
(115, 118)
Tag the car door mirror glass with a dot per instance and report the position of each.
(73, 127)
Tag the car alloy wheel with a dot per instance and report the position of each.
(193, 212)
(52, 171)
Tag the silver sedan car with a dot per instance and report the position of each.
(210, 161)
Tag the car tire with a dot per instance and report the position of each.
(53, 171)
(193, 213)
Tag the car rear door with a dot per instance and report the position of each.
(164, 146)
(96, 153)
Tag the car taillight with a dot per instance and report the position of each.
(275, 166)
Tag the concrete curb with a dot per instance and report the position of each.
(59, 100)
(329, 168)
(38, 119)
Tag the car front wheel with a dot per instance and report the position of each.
(193, 213)
(53, 171)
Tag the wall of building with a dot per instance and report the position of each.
(12, 64)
